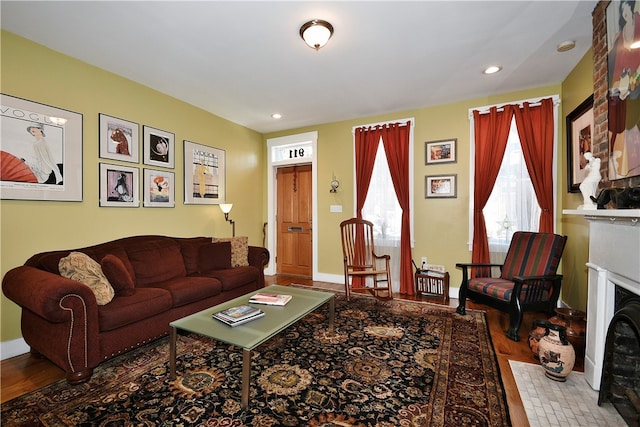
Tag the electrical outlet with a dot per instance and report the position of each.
(424, 261)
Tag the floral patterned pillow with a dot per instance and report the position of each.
(82, 268)
(239, 250)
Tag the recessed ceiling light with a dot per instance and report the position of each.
(276, 115)
(565, 46)
(492, 69)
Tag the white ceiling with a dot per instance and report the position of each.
(245, 60)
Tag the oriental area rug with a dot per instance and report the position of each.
(389, 364)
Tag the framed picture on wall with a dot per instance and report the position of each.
(41, 155)
(119, 186)
(119, 139)
(440, 186)
(579, 135)
(204, 174)
(159, 189)
(623, 92)
(443, 151)
(158, 147)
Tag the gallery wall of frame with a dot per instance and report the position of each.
(41, 159)
(445, 185)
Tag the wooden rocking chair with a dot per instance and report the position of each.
(363, 268)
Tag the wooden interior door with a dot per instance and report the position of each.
(294, 219)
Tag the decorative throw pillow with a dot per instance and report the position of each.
(239, 250)
(82, 268)
(214, 256)
(118, 275)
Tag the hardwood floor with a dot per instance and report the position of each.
(24, 373)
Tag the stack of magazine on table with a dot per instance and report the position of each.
(270, 299)
(235, 316)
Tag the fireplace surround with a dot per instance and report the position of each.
(614, 262)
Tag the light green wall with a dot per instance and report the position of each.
(575, 89)
(33, 72)
(441, 225)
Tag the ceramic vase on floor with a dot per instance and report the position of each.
(539, 330)
(556, 353)
(576, 324)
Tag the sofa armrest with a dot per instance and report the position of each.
(48, 295)
(258, 257)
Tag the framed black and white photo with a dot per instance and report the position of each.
(443, 151)
(159, 189)
(579, 134)
(41, 151)
(204, 174)
(440, 186)
(119, 139)
(119, 186)
(158, 147)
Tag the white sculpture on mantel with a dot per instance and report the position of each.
(589, 186)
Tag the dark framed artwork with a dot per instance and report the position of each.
(579, 141)
(440, 186)
(623, 95)
(40, 151)
(159, 189)
(204, 174)
(443, 151)
(119, 139)
(158, 147)
(119, 186)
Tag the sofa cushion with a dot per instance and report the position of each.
(185, 290)
(125, 310)
(118, 275)
(190, 247)
(156, 260)
(214, 256)
(233, 278)
(82, 268)
(239, 250)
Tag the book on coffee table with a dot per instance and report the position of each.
(238, 313)
(270, 299)
(234, 322)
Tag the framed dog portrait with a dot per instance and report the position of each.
(40, 151)
(119, 139)
(119, 186)
(158, 147)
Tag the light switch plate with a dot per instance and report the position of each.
(335, 208)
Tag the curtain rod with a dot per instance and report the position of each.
(399, 121)
(533, 102)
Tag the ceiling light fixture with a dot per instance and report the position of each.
(492, 69)
(276, 116)
(565, 46)
(316, 33)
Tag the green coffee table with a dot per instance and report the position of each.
(251, 334)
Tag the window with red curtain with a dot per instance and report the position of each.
(522, 191)
(377, 195)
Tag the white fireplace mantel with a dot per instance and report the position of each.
(614, 260)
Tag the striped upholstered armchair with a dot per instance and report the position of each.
(527, 280)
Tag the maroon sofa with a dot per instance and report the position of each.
(171, 278)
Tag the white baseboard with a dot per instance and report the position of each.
(13, 348)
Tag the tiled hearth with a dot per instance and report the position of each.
(568, 404)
